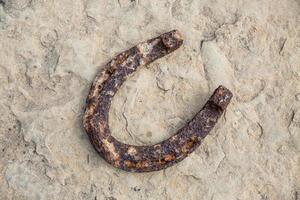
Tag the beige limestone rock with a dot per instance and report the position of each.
(50, 52)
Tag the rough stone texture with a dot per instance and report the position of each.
(51, 51)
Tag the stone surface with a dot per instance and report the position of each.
(51, 51)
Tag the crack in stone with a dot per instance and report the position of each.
(282, 47)
(126, 125)
(161, 88)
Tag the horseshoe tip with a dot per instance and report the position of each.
(172, 40)
(177, 34)
(221, 97)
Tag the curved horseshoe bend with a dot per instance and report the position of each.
(152, 157)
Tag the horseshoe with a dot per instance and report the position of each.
(153, 157)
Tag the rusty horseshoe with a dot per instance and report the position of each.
(153, 157)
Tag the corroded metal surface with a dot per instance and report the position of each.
(152, 157)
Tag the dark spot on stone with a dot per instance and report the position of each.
(296, 196)
(149, 134)
(136, 189)
(2, 3)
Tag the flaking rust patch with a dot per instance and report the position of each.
(144, 48)
(154, 157)
(131, 151)
(110, 147)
